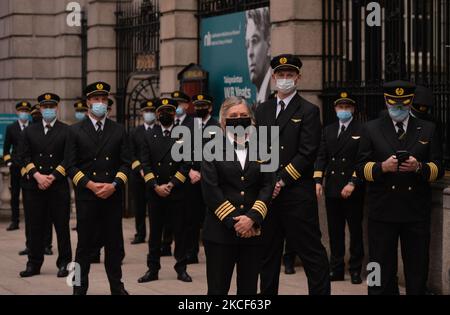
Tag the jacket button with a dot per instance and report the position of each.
(343, 160)
(281, 165)
(95, 174)
(342, 173)
(40, 167)
(332, 173)
(242, 178)
(95, 159)
(333, 159)
(107, 158)
(159, 164)
(282, 147)
(410, 188)
(170, 164)
(242, 193)
(51, 155)
(51, 167)
(393, 187)
(242, 207)
(107, 174)
(40, 155)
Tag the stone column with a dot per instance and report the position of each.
(297, 29)
(39, 52)
(179, 40)
(101, 61)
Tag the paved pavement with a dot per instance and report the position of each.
(134, 266)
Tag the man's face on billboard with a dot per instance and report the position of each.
(257, 52)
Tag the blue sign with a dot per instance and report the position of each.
(5, 120)
(235, 50)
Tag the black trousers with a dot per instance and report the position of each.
(159, 208)
(289, 255)
(197, 209)
(383, 249)
(298, 222)
(15, 193)
(40, 206)
(220, 262)
(104, 216)
(48, 239)
(339, 212)
(138, 204)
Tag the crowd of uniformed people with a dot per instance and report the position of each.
(242, 215)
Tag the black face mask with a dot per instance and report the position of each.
(166, 119)
(202, 113)
(239, 122)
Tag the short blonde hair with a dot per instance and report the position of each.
(231, 102)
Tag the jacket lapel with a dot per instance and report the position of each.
(106, 135)
(292, 107)
(389, 133)
(345, 137)
(89, 129)
(413, 133)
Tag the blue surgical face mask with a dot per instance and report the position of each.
(180, 111)
(80, 116)
(399, 113)
(344, 115)
(99, 109)
(49, 114)
(149, 118)
(24, 116)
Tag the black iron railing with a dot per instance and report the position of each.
(138, 45)
(413, 43)
(218, 7)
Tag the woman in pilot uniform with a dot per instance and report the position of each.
(237, 195)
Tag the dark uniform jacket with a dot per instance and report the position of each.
(45, 154)
(137, 138)
(11, 144)
(230, 191)
(399, 197)
(104, 160)
(336, 161)
(159, 167)
(300, 134)
(196, 165)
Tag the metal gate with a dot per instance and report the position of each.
(137, 36)
(208, 8)
(412, 43)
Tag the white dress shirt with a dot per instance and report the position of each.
(241, 152)
(46, 130)
(181, 119)
(23, 125)
(94, 122)
(286, 101)
(203, 122)
(346, 124)
(405, 125)
(147, 126)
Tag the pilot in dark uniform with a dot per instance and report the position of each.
(81, 110)
(344, 192)
(42, 154)
(137, 183)
(294, 212)
(237, 194)
(10, 146)
(203, 105)
(399, 157)
(166, 191)
(99, 163)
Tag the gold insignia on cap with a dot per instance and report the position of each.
(80, 105)
(200, 97)
(283, 60)
(48, 97)
(165, 102)
(423, 108)
(24, 104)
(400, 92)
(149, 104)
(344, 95)
(99, 86)
(176, 94)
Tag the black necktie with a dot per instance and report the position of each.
(166, 133)
(283, 107)
(49, 128)
(400, 131)
(177, 122)
(99, 129)
(342, 132)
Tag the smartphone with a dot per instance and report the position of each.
(402, 156)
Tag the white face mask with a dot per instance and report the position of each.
(286, 86)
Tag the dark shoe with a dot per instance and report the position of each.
(24, 252)
(95, 259)
(48, 251)
(149, 277)
(289, 270)
(184, 277)
(138, 240)
(13, 227)
(62, 272)
(166, 251)
(30, 272)
(192, 260)
(79, 291)
(337, 276)
(356, 278)
(120, 291)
